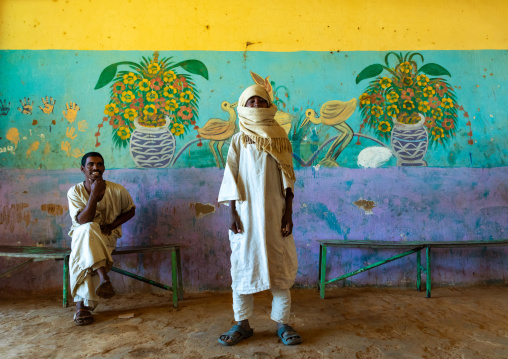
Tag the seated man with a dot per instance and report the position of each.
(98, 208)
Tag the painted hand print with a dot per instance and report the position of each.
(414, 110)
(71, 111)
(26, 106)
(4, 107)
(49, 105)
(150, 105)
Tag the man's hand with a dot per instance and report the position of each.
(98, 189)
(236, 223)
(287, 224)
(49, 105)
(106, 229)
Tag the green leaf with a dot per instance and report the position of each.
(109, 73)
(434, 70)
(106, 76)
(369, 71)
(194, 67)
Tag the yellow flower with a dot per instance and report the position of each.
(385, 82)
(406, 67)
(376, 111)
(123, 132)
(129, 78)
(392, 97)
(446, 102)
(149, 110)
(186, 96)
(169, 91)
(127, 96)
(152, 96)
(177, 129)
(423, 106)
(365, 99)
(171, 105)
(422, 80)
(392, 110)
(130, 114)
(437, 113)
(408, 81)
(111, 109)
(169, 76)
(153, 68)
(144, 85)
(408, 105)
(384, 126)
(428, 91)
(438, 133)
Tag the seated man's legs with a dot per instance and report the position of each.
(90, 255)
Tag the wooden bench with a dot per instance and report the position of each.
(52, 253)
(409, 247)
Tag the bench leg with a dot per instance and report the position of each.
(418, 271)
(174, 273)
(428, 271)
(65, 281)
(179, 268)
(322, 271)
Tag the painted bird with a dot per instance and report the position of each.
(334, 113)
(218, 131)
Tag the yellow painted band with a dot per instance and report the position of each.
(281, 25)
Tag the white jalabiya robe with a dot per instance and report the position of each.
(91, 249)
(261, 257)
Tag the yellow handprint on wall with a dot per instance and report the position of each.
(66, 146)
(69, 132)
(49, 105)
(26, 107)
(77, 153)
(72, 111)
(82, 125)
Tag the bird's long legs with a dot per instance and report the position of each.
(219, 149)
(346, 135)
(214, 153)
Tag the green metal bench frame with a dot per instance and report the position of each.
(410, 246)
(52, 253)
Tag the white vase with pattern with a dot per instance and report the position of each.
(410, 142)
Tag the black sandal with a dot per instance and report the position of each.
(244, 334)
(85, 319)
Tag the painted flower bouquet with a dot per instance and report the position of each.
(152, 91)
(407, 91)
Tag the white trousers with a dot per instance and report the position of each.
(243, 305)
(90, 250)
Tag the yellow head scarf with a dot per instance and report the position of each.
(258, 126)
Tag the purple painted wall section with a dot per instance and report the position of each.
(172, 207)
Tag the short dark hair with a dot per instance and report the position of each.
(90, 154)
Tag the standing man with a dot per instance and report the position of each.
(98, 208)
(258, 186)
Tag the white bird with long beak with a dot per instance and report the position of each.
(334, 113)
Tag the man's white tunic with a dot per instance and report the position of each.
(91, 249)
(261, 258)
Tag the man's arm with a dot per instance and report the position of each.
(236, 224)
(98, 189)
(287, 218)
(121, 219)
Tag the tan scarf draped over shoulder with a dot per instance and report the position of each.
(258, 126)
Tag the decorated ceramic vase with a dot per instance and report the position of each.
(152, 147)
(410, 142)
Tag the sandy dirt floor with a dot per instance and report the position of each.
(351, 323)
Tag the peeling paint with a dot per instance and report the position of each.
(202, 209)
(13, 214)
(54, 209)
(367, 206)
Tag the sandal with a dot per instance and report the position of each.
(105, 290)
(244, 334)
(84, 319)
(288, 335)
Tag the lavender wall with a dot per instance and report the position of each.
(180, 206)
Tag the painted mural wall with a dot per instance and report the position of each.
(387, 144)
